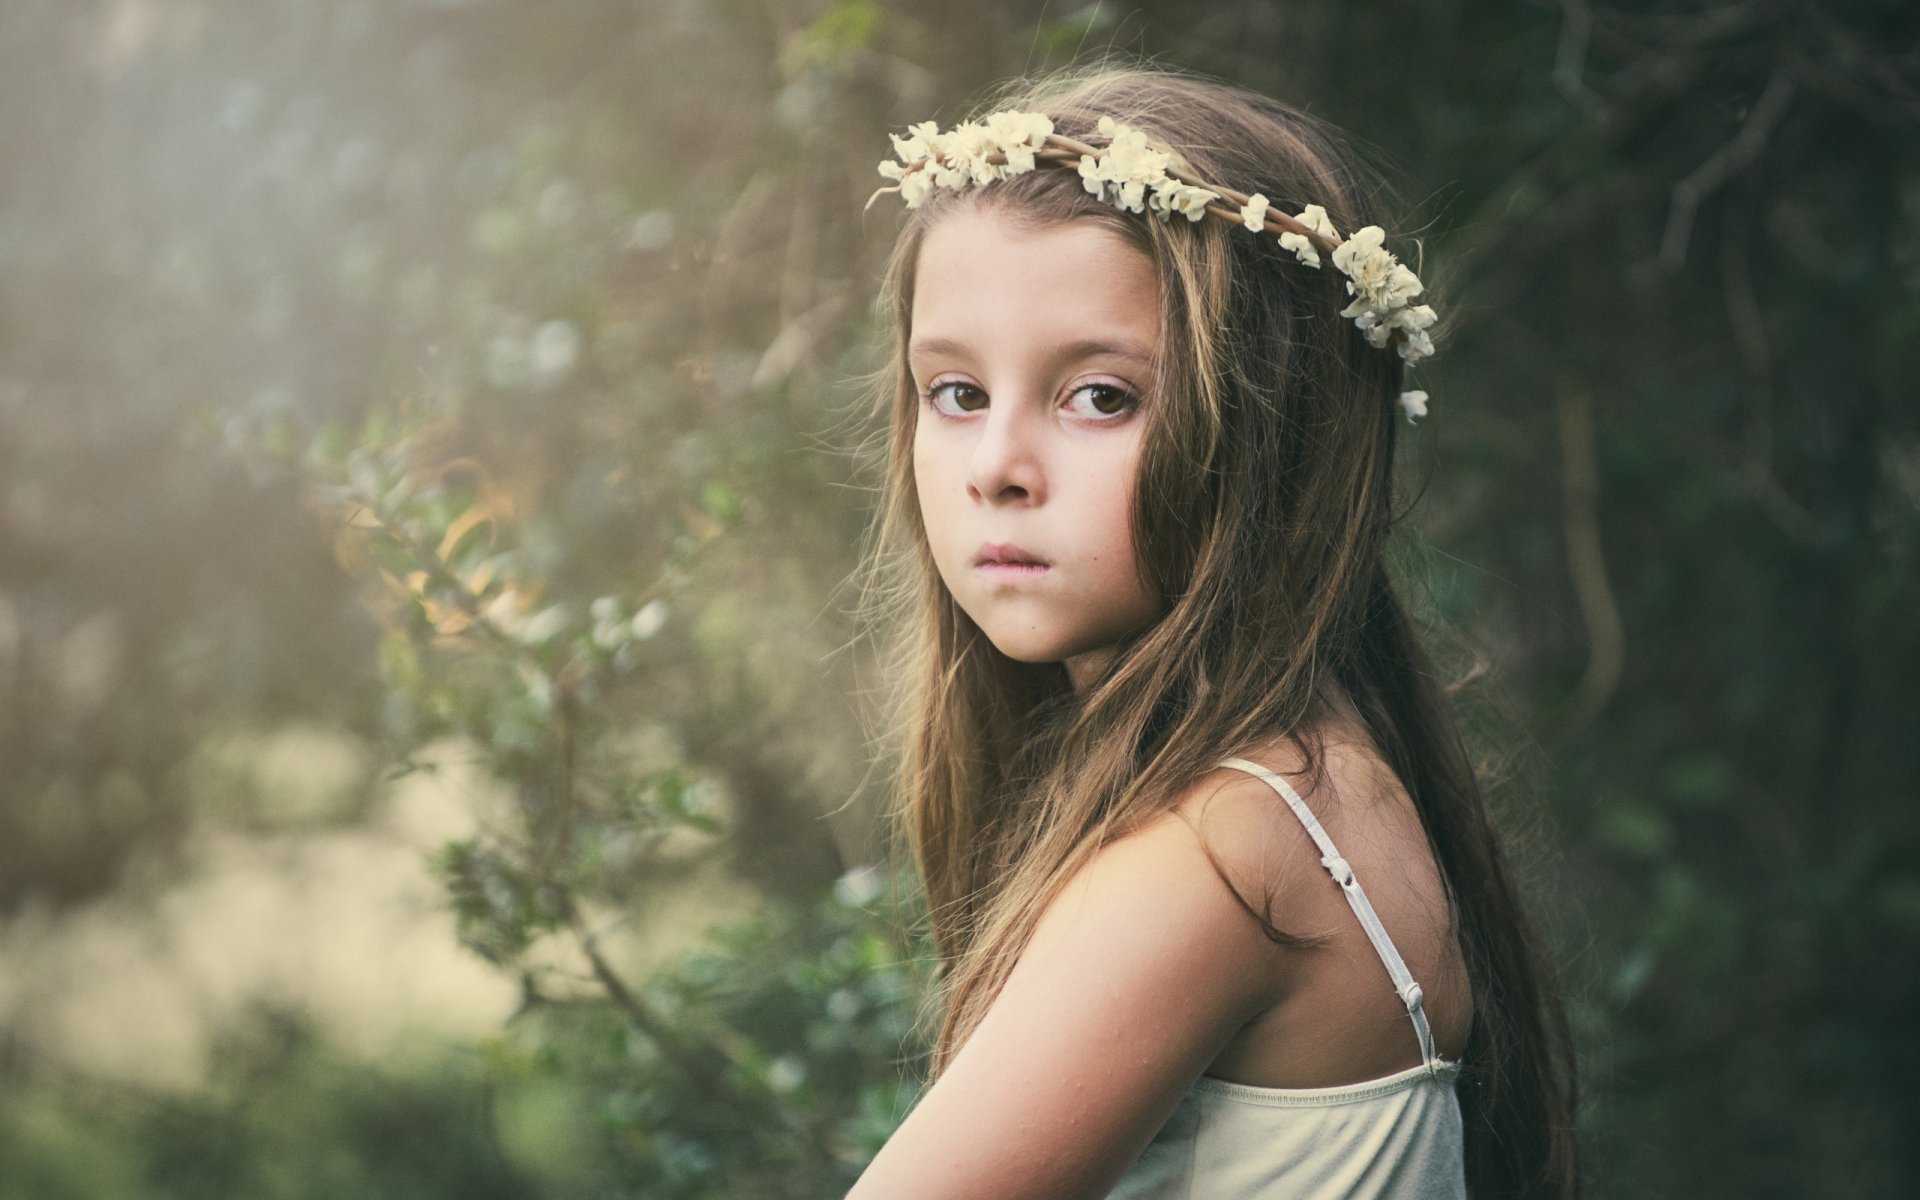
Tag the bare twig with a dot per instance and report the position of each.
(675, 1051)
(1858, 62)
(1756, 362)
(1636, 97)
(558, 848)
(1606, 637)
(1570, 58)
(797, 341)
(727, 253)
(1735, 156)
(635, 1010)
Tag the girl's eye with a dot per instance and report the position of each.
(937, 396)
(1099, 402)
(1106, 401)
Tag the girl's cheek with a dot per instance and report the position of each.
(934, 454)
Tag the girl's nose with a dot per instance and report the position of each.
(1005, 465)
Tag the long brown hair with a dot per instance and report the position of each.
(1261, 515)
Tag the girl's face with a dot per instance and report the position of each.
(1031, 349)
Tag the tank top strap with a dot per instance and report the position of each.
(1403, 982)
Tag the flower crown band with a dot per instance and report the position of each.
(1133, 175)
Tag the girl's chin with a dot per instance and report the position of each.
(1029, 645)
(1023, 650)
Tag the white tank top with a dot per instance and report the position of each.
(1398, 1136)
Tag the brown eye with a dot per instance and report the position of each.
(937, 396)
(1105, 401)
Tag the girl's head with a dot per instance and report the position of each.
(1032, 351)
(1172, 416)
(1172, 424)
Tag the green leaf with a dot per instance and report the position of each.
(1633, 827)
(720, 502)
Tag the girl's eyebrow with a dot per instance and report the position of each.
(1118, 347)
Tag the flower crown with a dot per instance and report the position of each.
(1135, 176)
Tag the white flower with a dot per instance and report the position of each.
(922, 166)
(1417, 346)
(786, 1073)
(1191, 200)
(1412, 319)
(915, 188)
(844, 1005)
(931, 159)
(1303, 249)
(1365, 264)
(1134, 174)
(535, 628)
(1018, 135)
(1401, 286)
(505, 607)
(554, 349)
(1313, 217)
(1139, 161)
(1369, 323)
(1030, 128)
(948, 165)
(1091, 177)
(651, 618)
(970, 145)
(1374, 276)
(1415, 404)
(918, 143)
(1173, 196)
(860, 886)
(1382, 287)
(609, 630)
(1122, 173)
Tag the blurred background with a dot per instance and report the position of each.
(433, 758)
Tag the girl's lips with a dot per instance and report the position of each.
(1005, 554)
(1012, 570)
(1007, 563)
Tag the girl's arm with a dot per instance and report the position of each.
(1137, 975)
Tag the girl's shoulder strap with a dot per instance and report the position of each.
(1403, 982)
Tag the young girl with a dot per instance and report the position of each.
(1165, 714)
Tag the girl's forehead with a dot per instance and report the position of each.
(969, 231)
(980, 270)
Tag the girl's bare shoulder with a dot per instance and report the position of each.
(1268, 856)
(1263, 847)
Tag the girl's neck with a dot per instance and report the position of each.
(1083, 669)
(1341, 717)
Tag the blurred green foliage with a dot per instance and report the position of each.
(283, 1117)
(477, 371)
